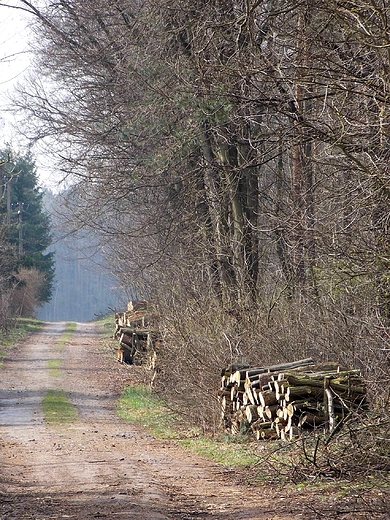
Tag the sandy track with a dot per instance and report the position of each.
(99, 466)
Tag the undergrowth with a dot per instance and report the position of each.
(20, 327)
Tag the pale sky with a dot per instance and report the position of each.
(14, 63)
(14, 66)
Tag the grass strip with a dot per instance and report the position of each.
(70, 327)
(18, 330)
(57, 408)
(54, 367)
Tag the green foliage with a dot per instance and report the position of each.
(8, 280)
(8, 260)
(27, 225)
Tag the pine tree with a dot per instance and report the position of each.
(28, 226)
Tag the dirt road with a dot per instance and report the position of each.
(99, 466)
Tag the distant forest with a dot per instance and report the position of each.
(82, 288)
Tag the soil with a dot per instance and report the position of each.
(100, 466)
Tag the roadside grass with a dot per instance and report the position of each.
(353, 468)
(54, 367)
(106, 323)
(19, 329)
(138, 405)
(105, 330)
(70, 327)
(222, 449)
(57, 408)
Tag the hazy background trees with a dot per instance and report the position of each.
(234, 158)
(83, 286)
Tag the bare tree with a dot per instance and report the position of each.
(232, 153)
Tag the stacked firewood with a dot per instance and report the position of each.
(277, 402)
(136, 316)
(138, 341)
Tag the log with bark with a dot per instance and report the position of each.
(279, 401)
(139, 342)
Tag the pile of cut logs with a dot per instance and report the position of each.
(277, 402)
(138, 341)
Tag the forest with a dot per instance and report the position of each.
(233, 158)
(83, 287)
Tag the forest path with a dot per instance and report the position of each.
(100, 466)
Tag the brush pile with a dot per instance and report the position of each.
(277, 402)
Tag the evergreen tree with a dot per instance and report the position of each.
(8, 280)
(28, 226)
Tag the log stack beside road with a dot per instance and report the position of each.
(279, 401)
(138, 340)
